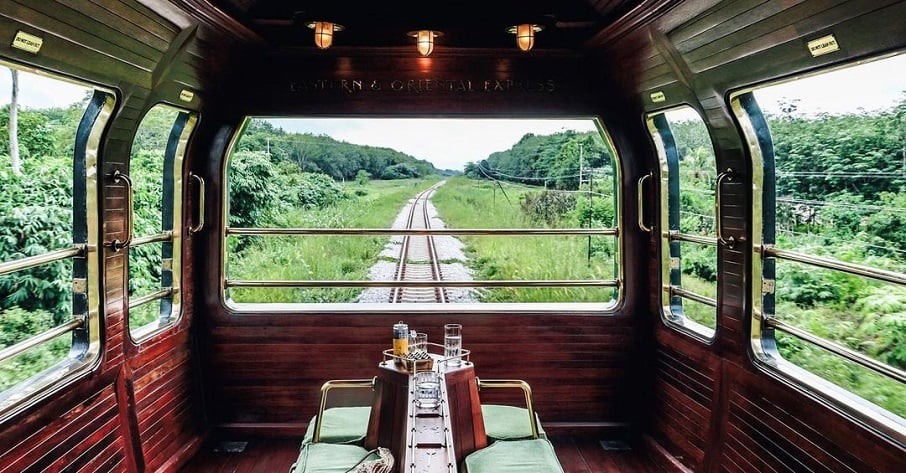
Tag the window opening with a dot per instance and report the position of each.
(49, 280)
(689, 243)
(532, 220)
(154, 251)
(830, 261)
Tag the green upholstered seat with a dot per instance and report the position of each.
(341, 425)
(508, 422)
(514, 456)
(329, 458)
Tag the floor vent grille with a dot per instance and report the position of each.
(615, 445)
(230, 447)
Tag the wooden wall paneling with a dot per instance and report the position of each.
(73, 432)
(74, 28)
(774, 427)
(302, 353)
(789, 24)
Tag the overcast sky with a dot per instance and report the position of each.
(450, 143)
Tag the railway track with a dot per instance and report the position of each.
(418, 257)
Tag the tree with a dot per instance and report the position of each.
(16, 164)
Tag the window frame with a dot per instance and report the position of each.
(670, 239)
(171, 238)
(763, 348)
(610, 307)
(85, 351)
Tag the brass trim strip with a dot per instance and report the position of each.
(829, 263)
(138, 301)
(701, 239)
(519, 384)
(678, 291)
(164, 236)
(476, 283)
(40, 338)
(840, 350)
(325, 389)
(420, 232)
(38, 260)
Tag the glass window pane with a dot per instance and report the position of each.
(305, 173)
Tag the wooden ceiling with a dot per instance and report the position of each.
(472, 24)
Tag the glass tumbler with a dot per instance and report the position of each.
(453, 344)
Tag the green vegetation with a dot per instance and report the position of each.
(467, 203)
(372, 205)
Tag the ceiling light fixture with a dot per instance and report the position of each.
(525, 34)
(324, 32)
(424, 40)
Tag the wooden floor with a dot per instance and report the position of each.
(577, 455)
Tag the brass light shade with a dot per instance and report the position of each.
(424, 40)
(324, 32)
(525, 35)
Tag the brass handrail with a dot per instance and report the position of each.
(201, 196)
(729, 174)
(462, 283)
(527, 391)
(829, 263)
(40, 338)
(325, 390)
(420, 231)
(163, 236)
(701, 239)
(38, 260)
(116, 244)
(851, 355)
(640, 202)
(138, 301)
(678, 291)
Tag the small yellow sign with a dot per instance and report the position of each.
(658, 97)
(823, 45)
(186, 95)
(27, 42)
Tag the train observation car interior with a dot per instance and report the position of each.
(572, 236)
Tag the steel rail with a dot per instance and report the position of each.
(419, 231)
(396, 293)
(851, 355)
(432, 251)
(38, 260)
(447, 283)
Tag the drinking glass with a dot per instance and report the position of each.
(453, 344)
(418, 343)
(427, 389)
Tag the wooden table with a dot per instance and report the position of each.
(426, 440)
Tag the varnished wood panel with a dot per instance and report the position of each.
(554, 355)
(770, 427)
(84, 431)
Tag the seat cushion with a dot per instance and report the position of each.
(341, 425)
(508, 422)
(329, 458)
(514, 456)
